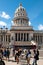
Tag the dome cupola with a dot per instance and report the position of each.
(20, 16)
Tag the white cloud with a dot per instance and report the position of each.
(29, 23)
(12, 22)
(40, 27)
(2, 23)
(4, 15)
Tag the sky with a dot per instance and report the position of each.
(34, 9)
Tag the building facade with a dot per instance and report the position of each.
(21, 34)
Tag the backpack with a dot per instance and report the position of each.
(28, 55)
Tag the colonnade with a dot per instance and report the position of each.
(38, 38)
(21, 36)
(4, 38)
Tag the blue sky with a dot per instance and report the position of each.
(34, 9)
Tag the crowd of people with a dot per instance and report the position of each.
(17, 54)
(4, 53)
(28, 56)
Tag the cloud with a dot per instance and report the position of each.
(12, 22)
(4, 15)
(29, 23)
(40, 27)
(2, 23)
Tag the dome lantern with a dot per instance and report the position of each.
(20, 4)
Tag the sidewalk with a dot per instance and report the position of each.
(12, 61)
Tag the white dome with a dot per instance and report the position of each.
(20, 11)
(20, 17)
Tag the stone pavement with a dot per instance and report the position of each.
(40, 62)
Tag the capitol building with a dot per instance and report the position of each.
(21, 34)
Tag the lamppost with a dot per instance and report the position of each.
(3, 33)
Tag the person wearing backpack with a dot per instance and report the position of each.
(28, 56)
(36, 57)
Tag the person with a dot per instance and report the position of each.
(17, 56)
(28, 56)
(1, 61)
(1, 51)
(13, 51)
(8, 53)
(4, 53)
(38, 53)
(36, 57)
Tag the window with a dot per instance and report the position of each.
(27, 36)
(23, 9)
(24, 37)
(21, 13)
(18, 9)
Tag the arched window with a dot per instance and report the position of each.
(21, 14)
(18, 9)
(23, 9)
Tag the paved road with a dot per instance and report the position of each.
(40, 62)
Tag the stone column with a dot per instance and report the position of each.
(23, 36)
(29, 36)
(39, 38)
(20, 36)
(3, 41)
(35, 37)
